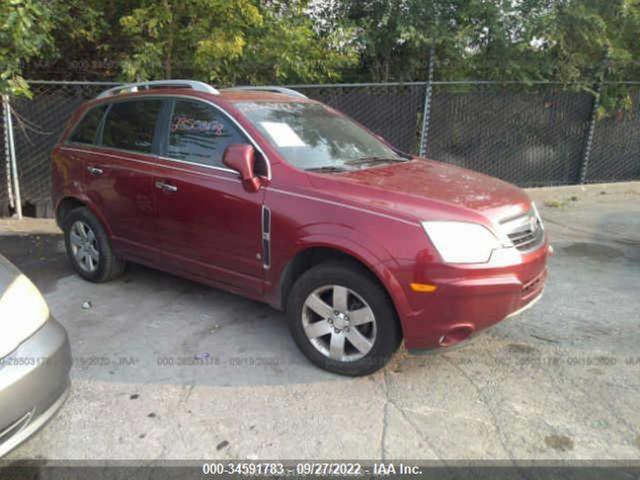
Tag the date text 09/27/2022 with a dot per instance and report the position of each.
(309, 468)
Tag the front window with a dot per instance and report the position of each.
(200, 133)
(312, 137)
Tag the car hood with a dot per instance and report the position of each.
(423, 187)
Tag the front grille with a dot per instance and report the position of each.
(524, 231)
(526, 240)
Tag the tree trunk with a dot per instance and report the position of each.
(168, 55)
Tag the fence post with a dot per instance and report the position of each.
(426, 112)
(7, 155)
(11, 149)
(586, 153)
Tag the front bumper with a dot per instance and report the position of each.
(34, 383)
(469, 299)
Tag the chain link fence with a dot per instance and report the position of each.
(37, 125)
(616, 143)
(531, 135)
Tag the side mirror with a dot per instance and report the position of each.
(242, 158)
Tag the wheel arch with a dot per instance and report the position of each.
(69, 203)
(315, 254)
(65, 206)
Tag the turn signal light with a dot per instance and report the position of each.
(423, 287)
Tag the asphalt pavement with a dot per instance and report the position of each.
(167, 368)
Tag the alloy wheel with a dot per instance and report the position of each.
(84, 246)
(339, 323)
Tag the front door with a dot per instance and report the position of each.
(209, 224)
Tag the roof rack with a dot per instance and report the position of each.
(134, 87)
(268, 88)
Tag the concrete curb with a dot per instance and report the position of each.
(542, 194)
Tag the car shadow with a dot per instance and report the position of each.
(41, 257)
(153, 327)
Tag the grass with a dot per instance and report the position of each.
(560, 203)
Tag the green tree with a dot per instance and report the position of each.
(196, 36)
(524, 40)
(392, 36)
(287, 48)
(25, 34)
(227, 41)
(298, 41)
(588, 32)
(59, 39)
(505, 40)
(472, 38)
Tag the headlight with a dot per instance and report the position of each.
(462, 242)
(22, 312)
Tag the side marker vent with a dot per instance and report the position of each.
(266, 237)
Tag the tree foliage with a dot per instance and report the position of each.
(199, 36)
(563, 40)
(229, 41)
(296, 41)
(25, 34)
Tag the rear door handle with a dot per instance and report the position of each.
(95, 171)
(166, 187)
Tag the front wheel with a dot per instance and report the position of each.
(342, 319)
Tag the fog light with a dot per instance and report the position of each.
(455, 335)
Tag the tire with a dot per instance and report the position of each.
(317, 328)
(88, 247)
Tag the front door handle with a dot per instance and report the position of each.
(95, 171)
(166, 187)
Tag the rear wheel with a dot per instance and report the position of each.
(88, 247)
(342, 319)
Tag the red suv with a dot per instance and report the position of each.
(268, 194)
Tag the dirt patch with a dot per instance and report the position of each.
(521, 348)
(561, 443)
(594, 251)
(560, 203)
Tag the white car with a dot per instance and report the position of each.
(35, 359)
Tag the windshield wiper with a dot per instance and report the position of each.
(359, 161)
(326, 169)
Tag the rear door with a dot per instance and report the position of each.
(209, 223)
(119, 173)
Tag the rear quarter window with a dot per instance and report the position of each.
(130, 125)
(86, 129)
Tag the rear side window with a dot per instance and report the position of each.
(130, 125)
(86, 129)
(200, 133)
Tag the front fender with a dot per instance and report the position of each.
(367, 249)
(372, 255)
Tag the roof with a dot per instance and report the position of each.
(258, 96)
(233, 94)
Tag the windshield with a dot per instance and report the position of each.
(312, 137)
